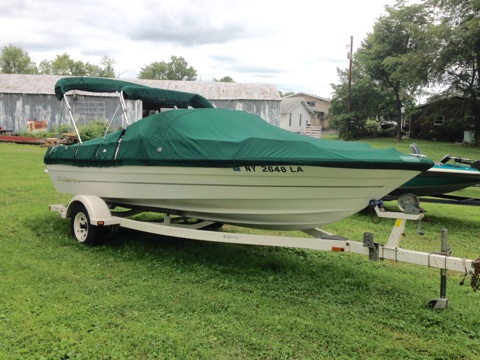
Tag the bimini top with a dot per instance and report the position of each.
(131, 91)
(223, 138)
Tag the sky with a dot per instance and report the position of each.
(295, 45)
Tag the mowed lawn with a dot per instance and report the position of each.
(140, 296)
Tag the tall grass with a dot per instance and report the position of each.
(141, 296)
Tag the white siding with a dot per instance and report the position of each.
(296, 113)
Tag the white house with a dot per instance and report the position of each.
(319, 105)
(295, 114)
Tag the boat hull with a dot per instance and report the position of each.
(440, 180)
(271, 197)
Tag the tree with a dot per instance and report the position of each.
(368, 100)
(224, 79)
(176, 69)
(62, 65)
(14, 60)
(457, 64)
(284, 94)
(107, 67)
(65, 65)
(397, 53)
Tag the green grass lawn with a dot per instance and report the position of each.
(140, 296)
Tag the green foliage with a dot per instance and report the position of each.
(372, 127)
(14, 60)
(140, 296)
(176, 69)
(224, 79)
(368, 100)
(284, 94)
(349, 127)
(453, 109)
(65, 65)
(93, 129)
(456, 65)
(394, 54)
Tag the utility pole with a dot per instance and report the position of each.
(350, 57)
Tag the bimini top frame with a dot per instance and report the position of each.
(160, 98)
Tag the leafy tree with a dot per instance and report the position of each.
(396, 54)
(156, 70)
(176, 69)
(45, 67)
(14, 60)
(224, 79)
(457, 64)
(107, 67)
(65, 65)
(368, 100)
(284, 94)
(61, 65)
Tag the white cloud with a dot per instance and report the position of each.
(296, 46)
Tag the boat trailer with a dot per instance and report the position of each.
(90, 214)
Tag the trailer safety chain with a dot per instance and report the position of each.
(371, 207)
(476, 274)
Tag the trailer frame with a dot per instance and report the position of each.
(90, 214)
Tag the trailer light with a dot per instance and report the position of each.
(338, 249)
(100, 223)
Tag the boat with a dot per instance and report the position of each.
(443, 178)
(219, 165)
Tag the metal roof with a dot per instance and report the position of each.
(44, 85)
(300, 94)
(288, 104)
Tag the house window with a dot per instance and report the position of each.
(311, 103)
(290, 119)
(439, 120)
(300, 120)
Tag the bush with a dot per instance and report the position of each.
(93, 129)
(372, 127)
(358, 128)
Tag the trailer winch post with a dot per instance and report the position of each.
(442, 302)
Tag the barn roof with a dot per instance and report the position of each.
(44, 85)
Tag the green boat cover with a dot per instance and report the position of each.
(213, 137)
(131, 91)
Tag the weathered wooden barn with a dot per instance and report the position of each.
(26, 98)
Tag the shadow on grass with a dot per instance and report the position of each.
(309, 273)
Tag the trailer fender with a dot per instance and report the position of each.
(97, 209)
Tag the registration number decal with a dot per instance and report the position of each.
(270, 169)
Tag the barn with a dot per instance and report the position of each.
(27, 99)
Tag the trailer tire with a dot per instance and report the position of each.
(80, 226)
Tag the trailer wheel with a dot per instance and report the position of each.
(82, 230)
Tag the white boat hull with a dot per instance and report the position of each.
(270, 197)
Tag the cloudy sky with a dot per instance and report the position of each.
(296, 45)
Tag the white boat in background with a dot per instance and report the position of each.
(222, 165)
